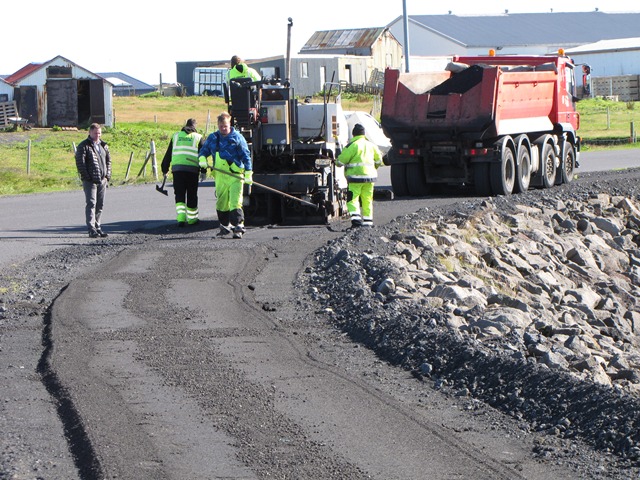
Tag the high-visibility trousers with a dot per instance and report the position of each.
(360, 202)
(228, 188)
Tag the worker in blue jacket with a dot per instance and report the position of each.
(232, 169)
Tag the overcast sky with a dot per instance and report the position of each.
(145, 39)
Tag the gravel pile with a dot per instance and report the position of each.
(452, 309)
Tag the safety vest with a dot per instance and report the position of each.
(360, 160)
(247, 72)
(185, 148)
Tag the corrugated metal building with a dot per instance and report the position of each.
(184, 73)
(125, 85)
(356, 56)
(268, 67)
(512, 33)
(361, 55)
(610, 57)
(614, 67)
(61, 93)
(310, 73)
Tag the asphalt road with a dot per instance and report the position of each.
(34, 224)
(205, 364)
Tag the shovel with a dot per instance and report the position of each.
(304, 202)
(161, 187)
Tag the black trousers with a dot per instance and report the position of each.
(185, 188)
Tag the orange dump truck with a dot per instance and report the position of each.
(500, 124)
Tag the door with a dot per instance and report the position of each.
(97, 101)
(62, 102)
(27, 99)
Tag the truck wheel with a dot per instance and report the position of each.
(523, 170)
(399, 179)
(503, 174)
(568, 162)
(416, 183)
(548, 165)
(481, 180)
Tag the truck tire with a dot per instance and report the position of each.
(399, 179)
(548, 165)
(523, 169)
(568, 163)
(503, 173)
(481, 179)
(416, 182)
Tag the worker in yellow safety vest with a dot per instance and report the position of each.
(182, 157)
(239, 69)
(361, 160)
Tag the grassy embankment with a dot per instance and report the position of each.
(139, 120)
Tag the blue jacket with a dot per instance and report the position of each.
(233, 148)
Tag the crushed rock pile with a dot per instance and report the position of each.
(528, 303)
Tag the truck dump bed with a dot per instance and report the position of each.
(480, 100)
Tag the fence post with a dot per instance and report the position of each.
(608, 119)
(633, 132)
(154, 165)
(28, 157)
(126, 177)
(143, 170)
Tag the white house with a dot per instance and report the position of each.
(61, 93)
(6, 91)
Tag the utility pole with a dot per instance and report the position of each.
(405, 20)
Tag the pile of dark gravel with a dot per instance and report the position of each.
(409, 334)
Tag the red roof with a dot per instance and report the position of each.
(23, 72)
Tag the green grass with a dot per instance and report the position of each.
(604, 121)
(139, 120)
(52, 165)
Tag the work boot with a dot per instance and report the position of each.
(238, 231)
(93, 234)
(101, 233)
(224, 230)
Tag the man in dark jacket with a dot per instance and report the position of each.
(93, 162)
(182, 157)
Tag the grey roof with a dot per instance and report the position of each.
(553, 28)
(136, 84)
(615, 45)
(357, 41)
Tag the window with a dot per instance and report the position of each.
(304, 70)
(56, 71)
(347, 74)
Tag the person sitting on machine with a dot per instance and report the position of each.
(242, 98)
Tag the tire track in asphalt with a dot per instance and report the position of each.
(462, 458)
(214, 336)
